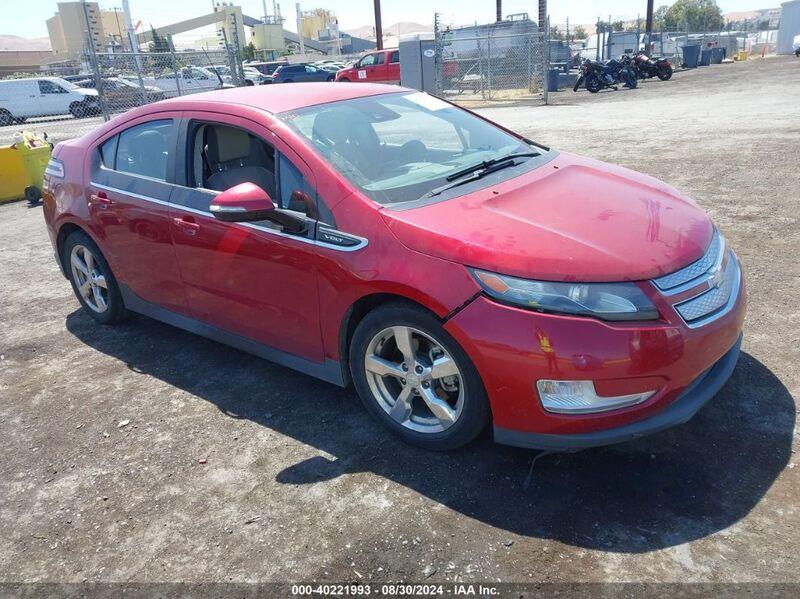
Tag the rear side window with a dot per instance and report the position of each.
(144, 149)
(394, 56)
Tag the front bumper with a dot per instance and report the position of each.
(513, 348)
(686, 405)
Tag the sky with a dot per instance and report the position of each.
(29, 20)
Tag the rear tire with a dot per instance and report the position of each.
(5, 118)
(92, 279)
(331, 78)
(665, 74)
(433, 412)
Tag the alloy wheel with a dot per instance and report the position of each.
(414, 379)
(89, 280)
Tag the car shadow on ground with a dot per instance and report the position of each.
(657, 492)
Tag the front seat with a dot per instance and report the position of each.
(232, 161)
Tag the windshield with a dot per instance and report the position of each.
(398, 147)
(66, 84)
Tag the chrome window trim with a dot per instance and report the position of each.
(362, 242)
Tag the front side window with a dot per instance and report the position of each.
(367, 61)
(223, 157)
(48, 87)
(144, 149)
(398, 147)
(310, 69)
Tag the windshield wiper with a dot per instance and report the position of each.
(488, 163)
(478, 173)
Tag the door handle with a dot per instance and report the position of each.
(101, 199)
(187, 226)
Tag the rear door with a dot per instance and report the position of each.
(251, 279)
(131, 180)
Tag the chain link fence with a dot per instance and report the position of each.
(478, 66)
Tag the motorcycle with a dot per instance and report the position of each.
(647, 67)
(596, 76)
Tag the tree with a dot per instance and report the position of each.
(249, 51)
(660, 18)
(579, 33)
(617, 26)
(555, 33)
(699, 15)
(158, 44)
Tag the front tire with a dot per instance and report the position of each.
(78, 110)
(415, 378)
(578, 83)
(92, 279)
(665, 74)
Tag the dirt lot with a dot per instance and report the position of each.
(301, 484)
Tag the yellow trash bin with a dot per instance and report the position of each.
(742, 55)
(22, 167)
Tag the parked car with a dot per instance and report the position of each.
(265, 68)
(382, 66)
(21, 99)
(455, 272)
(119, 92)
(251, 76)
(190, 80)
(301, 72)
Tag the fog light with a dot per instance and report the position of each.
(580, 397)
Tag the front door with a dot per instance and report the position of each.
(130, 187)
(251, 279)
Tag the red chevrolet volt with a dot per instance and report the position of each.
(454, 272)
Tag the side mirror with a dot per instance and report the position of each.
(248, 202)
(242, 203)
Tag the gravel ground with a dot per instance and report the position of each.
(104, 429)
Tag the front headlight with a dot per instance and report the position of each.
(607, 301)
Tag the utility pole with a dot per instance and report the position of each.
(499, 7)
(543, 16)
(300, 30)
(648, 25)
(378, 27)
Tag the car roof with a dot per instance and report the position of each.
(281, 97)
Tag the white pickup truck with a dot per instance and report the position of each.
(190, 80)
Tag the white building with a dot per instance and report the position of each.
(789, 27)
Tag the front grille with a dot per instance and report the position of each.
(706, 306)
(715, 278)
(680, 278)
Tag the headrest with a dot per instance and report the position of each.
(330, 126)
(226, 144)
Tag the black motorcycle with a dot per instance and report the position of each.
(596, 76)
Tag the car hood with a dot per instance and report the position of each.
(86, 91)
(571, 219)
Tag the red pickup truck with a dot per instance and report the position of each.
(382, 66)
